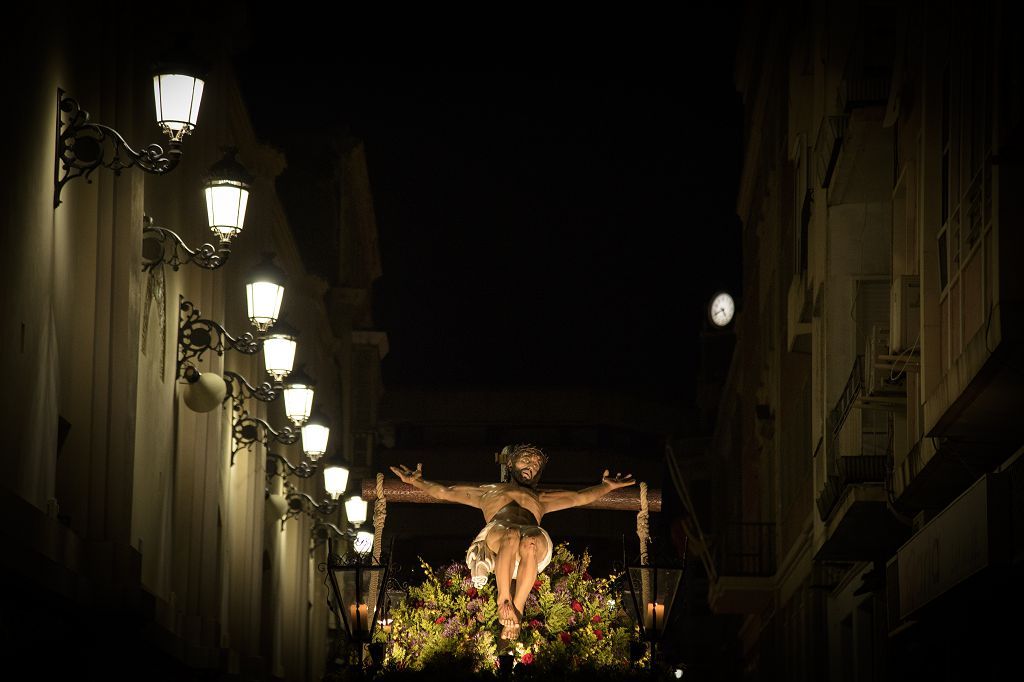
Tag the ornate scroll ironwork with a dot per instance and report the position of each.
(301, 503)
(239, 389)
(197, 335)
(303, 470)
(83, 146)
(176, 253)
(322, 530)
(248, 430)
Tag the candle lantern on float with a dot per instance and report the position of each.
(358, 591)
(652, 591)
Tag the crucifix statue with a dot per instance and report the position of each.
(512, 544)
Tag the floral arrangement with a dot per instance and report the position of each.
(572, 621)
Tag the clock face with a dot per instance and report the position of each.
(722, 309)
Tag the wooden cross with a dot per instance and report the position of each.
(622, 499)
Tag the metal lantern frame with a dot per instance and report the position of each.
(653, 569)
(266, 272)
(359, 565)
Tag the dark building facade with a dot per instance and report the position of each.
(866, 518)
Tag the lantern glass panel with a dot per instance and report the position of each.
(263, 300)
(314, 440)
(298, 403)
(177, 98)
(355, 509)
(335, 481)
(351, 583)
(279, 357)
(226, 201)
(654, 589)
(363, 542)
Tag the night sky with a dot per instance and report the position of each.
(546, 221)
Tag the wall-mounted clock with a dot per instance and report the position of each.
(722, 309)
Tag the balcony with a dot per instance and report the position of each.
(745, 565)
(853, 502)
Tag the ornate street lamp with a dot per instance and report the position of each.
(83, 146)
(226, 189)
(177, 93)
(362, 542)
(315, 434)
(335, 481)
(227, 192)
(355, 510)
(298, 397)
(279, 350)
(264, 292)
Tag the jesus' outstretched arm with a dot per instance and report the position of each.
(555, 500)
(461, 494)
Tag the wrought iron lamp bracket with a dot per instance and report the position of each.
(197, 335)
(83, 146)
(301, 503)
(303, 470)
(322, 530)
(239, 389)
(248, 430)
(174, 251)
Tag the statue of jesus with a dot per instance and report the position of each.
(512, 544)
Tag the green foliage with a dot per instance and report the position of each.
(572, 622)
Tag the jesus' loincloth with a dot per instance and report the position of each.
(480, 558)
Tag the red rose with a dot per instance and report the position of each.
(586, 576)
(536, 586)
(565, 637)
(599, 634)
(567, 568)
(596, 618)
(471, 592)
(577, 607)
(448, 582)
(535, 623)
(440, 619)
(527, 658)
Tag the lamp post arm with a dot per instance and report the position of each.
(299, 503)
(196, 335)
(303, 470)
(83, 146)
(247, 430)
(239, 388)
(176, 253)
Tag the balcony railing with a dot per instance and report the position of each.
(852, 470)
(854, 387)
(746, 549)
(860, 448)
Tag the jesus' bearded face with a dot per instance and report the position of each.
(526, 467)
